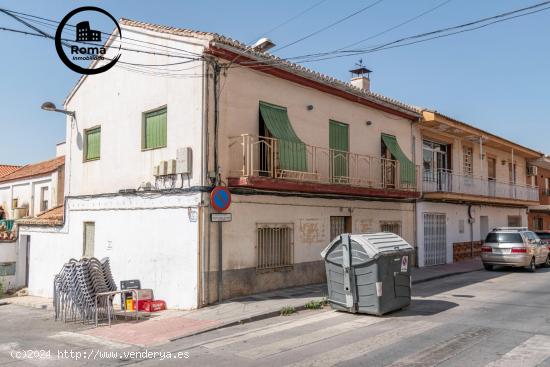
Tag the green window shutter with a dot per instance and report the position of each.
(339, 145)
(292, 151)
(155, 129)
(93, 144)
(407, 170)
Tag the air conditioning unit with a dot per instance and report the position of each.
(532, 170)
(184, 160)
(163, 168)
(171, 169)
(156, 171)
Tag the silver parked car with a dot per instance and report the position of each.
(514, 246)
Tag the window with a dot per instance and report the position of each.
(92, 144)
(89, 239)
(467, 168)
(154, 129)
(514, 221)
(339, 225)
(538, 223)
(504, 238)
(44, 199)
(391, 227)
(275, 247)
(7, 269)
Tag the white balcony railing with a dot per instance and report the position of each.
(448, 181)
(268, 157)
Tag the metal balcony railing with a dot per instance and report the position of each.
(447, 181)
(268, 157)
(545, 192)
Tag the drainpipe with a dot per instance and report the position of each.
(204, 179)
(217, 70)
(418, 186)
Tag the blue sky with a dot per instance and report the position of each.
(496, 78)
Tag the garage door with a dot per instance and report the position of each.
(435, 239)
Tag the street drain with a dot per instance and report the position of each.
(463, 295)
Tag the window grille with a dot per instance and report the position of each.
(275, 247)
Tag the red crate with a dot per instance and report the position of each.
(154, 306)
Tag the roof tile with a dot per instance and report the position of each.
(35, 169)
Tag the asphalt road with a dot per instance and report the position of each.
(499, 318)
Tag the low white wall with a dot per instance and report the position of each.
(147, 238)
(498, 216)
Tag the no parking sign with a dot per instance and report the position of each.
(220, 198)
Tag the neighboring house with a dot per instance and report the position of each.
(26, 191)
(472, 182)
(306, 157)
(32, 189)
(539, 214)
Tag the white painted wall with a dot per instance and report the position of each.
(146, 238)
(116, 100)
(498, 216)
(27, 191)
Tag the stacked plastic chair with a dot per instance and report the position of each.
(76, 287)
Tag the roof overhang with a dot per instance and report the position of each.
(307, 78)
(435, 122)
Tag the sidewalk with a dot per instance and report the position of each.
(166, 326)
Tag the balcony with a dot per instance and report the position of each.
(267, 163)
(445, 184)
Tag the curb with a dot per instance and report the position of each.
(245, 320)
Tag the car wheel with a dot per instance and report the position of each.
(547, 262)
(532, 266)
(488, 267)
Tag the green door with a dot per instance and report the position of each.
(339, 148)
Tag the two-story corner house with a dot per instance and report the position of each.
(472, 181)
(539, 214)
(306, 157)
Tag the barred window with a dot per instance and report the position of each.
(275, 247)
(391, 227)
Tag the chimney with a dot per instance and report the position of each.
(360, 78)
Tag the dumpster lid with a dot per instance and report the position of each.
(373, 243)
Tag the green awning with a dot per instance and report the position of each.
(407, 169)
(292, 151)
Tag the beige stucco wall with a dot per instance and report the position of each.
(244, 88)
(310, 219)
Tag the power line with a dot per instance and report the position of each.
(21, 14)
(397, 26)
(291, 19)
(329, 26)
(448, 31)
